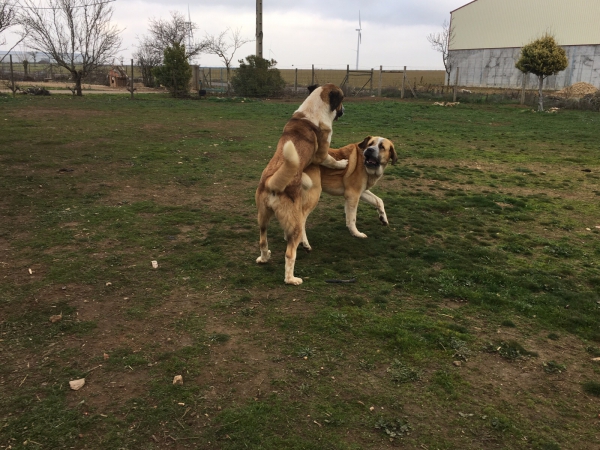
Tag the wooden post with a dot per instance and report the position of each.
(12, 77)
(131, 78)
(296, 81)
(221, 78)
(347, 74)
(455, 84)
(525, 76)
(371, 87)
(403, 82)
(380, 81)
(312, 80)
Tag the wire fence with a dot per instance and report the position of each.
(214, 79)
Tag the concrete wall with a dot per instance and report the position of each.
(496, 68)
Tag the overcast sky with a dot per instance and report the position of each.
(304, 32)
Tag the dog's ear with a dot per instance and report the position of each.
(336, 97)
(393, 153)
(312, 87)
(364, 144)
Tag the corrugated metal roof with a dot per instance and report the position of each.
(514, 23)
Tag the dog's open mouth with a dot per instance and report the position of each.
(371, 161)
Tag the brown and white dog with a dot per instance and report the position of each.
(305, 141)
(366, 162)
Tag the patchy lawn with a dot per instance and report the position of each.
(473, 322)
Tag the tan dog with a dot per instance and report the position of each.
(366, 162)
(305, 140)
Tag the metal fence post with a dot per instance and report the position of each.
(403, 82)
(371, 87)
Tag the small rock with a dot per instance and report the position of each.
(77, 384)
(155, 264)
(596, 359)
(30, 272)
(372, 408)
(457, 363)
(178, 380)
(108, 283)
(64, 288)
(56, 318)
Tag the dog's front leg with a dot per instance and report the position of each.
(372, 199)
(332, 163)
(350, 208)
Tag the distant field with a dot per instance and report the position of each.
(472, 324)
(420, 77)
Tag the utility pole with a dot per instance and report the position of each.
(259, 31)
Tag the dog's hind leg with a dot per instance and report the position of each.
(372, 199)
(264, 217)
(294, 238)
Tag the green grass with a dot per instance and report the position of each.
(491, 258)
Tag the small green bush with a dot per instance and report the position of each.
(175, 74)
(258, 77)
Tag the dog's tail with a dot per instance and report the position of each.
(288, 170)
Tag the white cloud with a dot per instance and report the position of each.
(301, 33)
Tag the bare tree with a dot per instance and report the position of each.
(8, 18)
(148, 58)
(224, 45)
(176, 30)
(77, 35)
(441, 42)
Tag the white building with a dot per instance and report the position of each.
(487, 36)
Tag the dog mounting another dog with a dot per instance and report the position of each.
(283, 184)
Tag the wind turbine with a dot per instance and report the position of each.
(359, 29)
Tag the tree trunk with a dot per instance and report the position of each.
(77, 80)
(228, 70)
(541, 101)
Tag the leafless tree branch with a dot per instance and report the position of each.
(176, 30)
(441, 42)
(77, 35)
(224, 45)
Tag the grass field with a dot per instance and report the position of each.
(473, 322)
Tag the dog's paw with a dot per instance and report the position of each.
(359, 235)
(306, 246)
(261, 260)
(384, 221)
(294, 281)
(341, 164)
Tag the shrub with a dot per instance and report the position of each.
(175, 73)
(258, 77)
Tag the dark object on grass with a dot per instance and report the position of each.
(592, 387)
(351, 280)
(202, 93)
(35, 90)
(65, 170)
